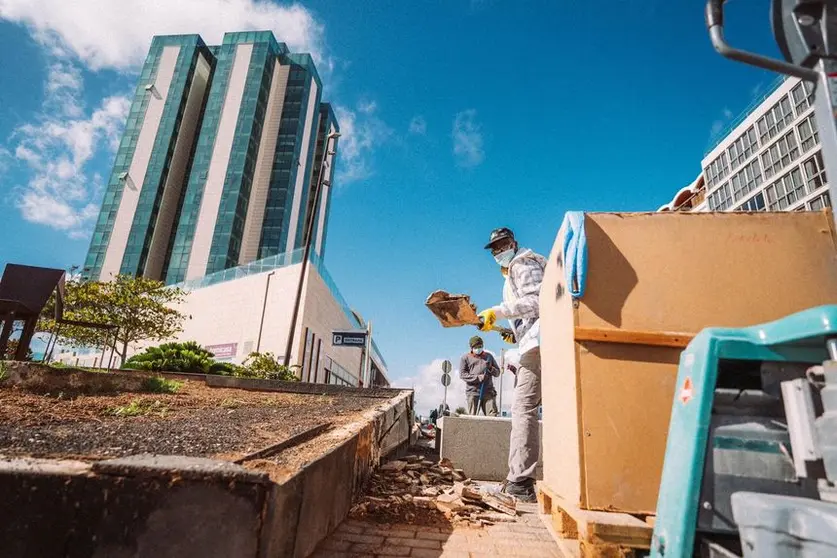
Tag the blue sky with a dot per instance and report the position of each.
(458, 117)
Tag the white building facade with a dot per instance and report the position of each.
(216, 167)
(770, 160)
(247, 309)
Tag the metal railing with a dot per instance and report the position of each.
(718, 137)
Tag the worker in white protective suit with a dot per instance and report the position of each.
(523, 270)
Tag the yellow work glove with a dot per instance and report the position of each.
(508, 337)
(487, 320)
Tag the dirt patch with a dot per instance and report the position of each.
(194, 421)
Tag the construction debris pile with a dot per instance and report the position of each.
(416, 490)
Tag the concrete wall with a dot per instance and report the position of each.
(323, 314)
(480, 446)
(130, 507)
(173, 506)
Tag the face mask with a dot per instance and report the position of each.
(478, 351)
(504, 258)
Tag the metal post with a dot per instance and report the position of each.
(445, 398)
(825, 103)
(113, 348)
(831, 344)
(104, 348)
(307, 252)
(264, 308)
(367, 358)
(6, 332)
(502, 373)
(48, 357)
(26, 337)
(48, 343)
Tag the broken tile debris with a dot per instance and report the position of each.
(418, 484)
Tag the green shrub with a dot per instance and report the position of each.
(139, 407)
(186, 357)
(158, 384)
(264, 366)
(224, 369)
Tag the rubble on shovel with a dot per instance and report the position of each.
(419, 483)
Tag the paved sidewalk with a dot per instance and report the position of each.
(525, 537)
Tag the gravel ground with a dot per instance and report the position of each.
(195, 421)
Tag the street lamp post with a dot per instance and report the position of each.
(309, 228)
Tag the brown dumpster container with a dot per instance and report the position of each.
(606, 405)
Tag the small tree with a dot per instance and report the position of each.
(461, 411)
(265, 366)
(138, 306)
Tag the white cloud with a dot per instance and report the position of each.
(117, 33)
(429, 391)
(56, 147)
(467, 139)
(63, 87)
(428, 388)
(6, 158)
(361, 132)
(418, 125)
(63, 137)
(719, 124)
(367, 107)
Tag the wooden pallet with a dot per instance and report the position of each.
(599, 534)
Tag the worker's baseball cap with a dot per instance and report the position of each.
(497, 235)
(476, 341)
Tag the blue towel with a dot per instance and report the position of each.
(575, 252)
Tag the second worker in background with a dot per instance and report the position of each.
(478, 370)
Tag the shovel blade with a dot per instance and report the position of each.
(452, 310)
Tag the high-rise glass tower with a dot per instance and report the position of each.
(218, 162)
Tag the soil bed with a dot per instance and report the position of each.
(195, 421)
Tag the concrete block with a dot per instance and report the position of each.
(480, 446)
(89, 514)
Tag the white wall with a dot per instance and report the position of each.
(139, 164)
(230, 312)
(323, 314)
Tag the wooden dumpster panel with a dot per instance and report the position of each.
(626, 398)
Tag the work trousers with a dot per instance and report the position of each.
(488, 407)
(524, 444)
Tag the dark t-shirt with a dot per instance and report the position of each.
(471, 366)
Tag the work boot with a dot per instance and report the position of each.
(523, 491)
